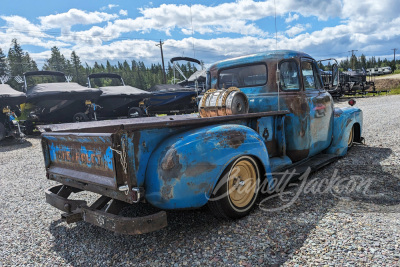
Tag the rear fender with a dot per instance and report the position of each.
(184, 169)
(344, 120)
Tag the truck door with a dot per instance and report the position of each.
(292, 97)
(320, 106)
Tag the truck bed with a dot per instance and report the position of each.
(112, 126)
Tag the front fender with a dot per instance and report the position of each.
(344, 119)
(184, 169)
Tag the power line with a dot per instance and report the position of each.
(352, 52)
(394, 54)
(162, 58)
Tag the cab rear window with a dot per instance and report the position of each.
(243, 76)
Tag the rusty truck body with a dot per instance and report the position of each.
(188, 161)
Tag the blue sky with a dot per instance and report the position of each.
(208, 30)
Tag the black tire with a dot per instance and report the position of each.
(3, 132)
(350, 142)
(28, 127)
(227, 201)
(80, 117)
(135, 112)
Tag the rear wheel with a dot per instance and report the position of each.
(2, 131)
(351, 138)
(135, 112)
(237, 190)
(80, 117)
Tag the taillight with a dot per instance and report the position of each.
(352, 102)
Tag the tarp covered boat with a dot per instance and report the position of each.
(10, 100)
(10, 97)
(117, 101)
(171, 99)
(58, 101)
(177, 98)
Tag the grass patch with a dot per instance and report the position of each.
(387, 76)
(395, 91)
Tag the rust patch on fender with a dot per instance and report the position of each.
(337, 112)
(170, 167)
(234, 138)
(200, 188)
(167, 192)
(229, 138)
(199, 168)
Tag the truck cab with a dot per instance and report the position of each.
(299, 89)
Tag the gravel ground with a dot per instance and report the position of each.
(353, 227)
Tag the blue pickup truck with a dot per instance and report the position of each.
(262, 114)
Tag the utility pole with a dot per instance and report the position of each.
(351, 59)
(394, 58)
(162, 58)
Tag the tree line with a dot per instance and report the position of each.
(134, 73)
(355, 62)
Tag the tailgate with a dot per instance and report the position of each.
(87, 158)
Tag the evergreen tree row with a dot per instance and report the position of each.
(134, 73)
(362, 62)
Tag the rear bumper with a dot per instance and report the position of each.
(108, 218)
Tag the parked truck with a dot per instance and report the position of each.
(262, 114)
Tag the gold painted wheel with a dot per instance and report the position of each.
(237, 190)
(351, 138)
(242, 183)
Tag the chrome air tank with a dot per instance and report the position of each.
(223, 102)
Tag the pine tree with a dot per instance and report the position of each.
(4, 70)
(16, 58)
(57, 61)
(77, 66)
(19, 62)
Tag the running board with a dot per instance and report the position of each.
(314, 163)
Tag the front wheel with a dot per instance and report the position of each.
(135, 112)
(351, 138)
(237, 190)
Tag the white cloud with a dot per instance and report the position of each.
(373, 28)
(123, 12)
(109, 6)
(20, 25)
(26, 33)
(291, 17)
(295, 30)
(74, 17)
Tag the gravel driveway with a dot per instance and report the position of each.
(335, 228)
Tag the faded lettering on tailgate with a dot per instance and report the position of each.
(80, 157)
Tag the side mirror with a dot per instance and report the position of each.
(335, 75)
